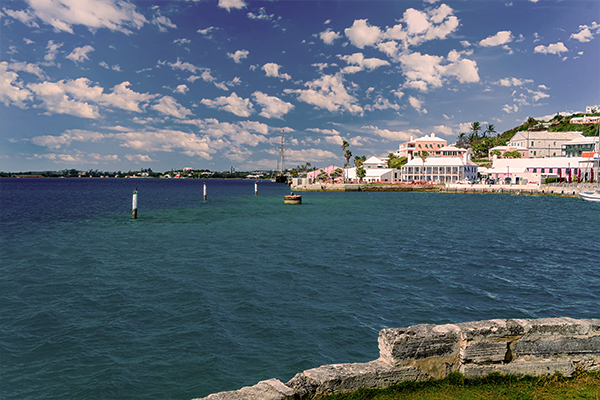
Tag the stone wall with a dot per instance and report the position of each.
(421, 352)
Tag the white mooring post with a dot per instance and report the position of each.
(256, 188)
(204, 191)
(134, 205)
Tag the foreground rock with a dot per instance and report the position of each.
(516, 346)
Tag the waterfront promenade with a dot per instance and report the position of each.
(566, 190)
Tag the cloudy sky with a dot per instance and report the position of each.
(212, 84)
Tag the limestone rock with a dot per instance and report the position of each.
(418, 342)
(271, 389)
(343, 378)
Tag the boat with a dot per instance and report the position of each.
(590, 196)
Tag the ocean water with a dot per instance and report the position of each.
(196, 297)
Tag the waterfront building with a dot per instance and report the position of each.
(528, 170)
(452, 151)
(375, 162)
(542, 143)
(587, 147)
(439, 170)
(413, 148)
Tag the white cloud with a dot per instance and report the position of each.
(272, 69)
(359, 60)
(26, 17)
(184, 66)
(262, 15)
(362, 34)
(94, 14)
(182, 41)
(139, 158)
(73, 97)
(513, 82)
(328, 92)
(169, 106)
(510, 109)
(498, 39)
(382, 104)
(229, 4)
(392, 135)
(163, 23)
(273, 107)
(417, 104)
(554, 48)
(328, 36)
(585, 32)
(233, 104)
(167, 140)
(80, 53)
(69, 136)
(52, 50)
(238, 55)
(181, 89)
(423, 71)
(26, 67)
(11, 90)
(443, 130)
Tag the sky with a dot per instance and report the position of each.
(118, 85)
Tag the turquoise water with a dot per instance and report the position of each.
(196, 297)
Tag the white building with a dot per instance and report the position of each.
(413, 148)
(592, 109)
(585, 146)
(374, 162)
(529, 170)
(439, 170)
(542, 143)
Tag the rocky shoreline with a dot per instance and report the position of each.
(421, 352)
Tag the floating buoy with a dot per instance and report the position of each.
(292, 199)
(134, 205)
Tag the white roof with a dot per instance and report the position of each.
(430, 138)
(452, 148)
(537, 135)
(439, 161)
(374, 160)
(584, 140)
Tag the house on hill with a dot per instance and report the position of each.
(541, 144)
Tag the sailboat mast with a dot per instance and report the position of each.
(281, 155)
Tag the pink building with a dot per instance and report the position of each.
(413, 148)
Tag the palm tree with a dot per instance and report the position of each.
(360, 171)
(423, 156)
(345, 145)
(491, 129)
(475, 127)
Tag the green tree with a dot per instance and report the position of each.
(423, 154)
(490, 130)
(358, 163)
(475, 128)
(345, 145)
(395, 161)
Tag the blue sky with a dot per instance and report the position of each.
(124, 85)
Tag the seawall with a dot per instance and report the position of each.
(563, 190)
(510, 346)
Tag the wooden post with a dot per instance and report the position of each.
(134, 205)
(204, 191)
(256, 188)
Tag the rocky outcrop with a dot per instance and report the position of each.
(516, 346)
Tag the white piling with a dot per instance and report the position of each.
(256, 188)
(134, 205)
(204, 191)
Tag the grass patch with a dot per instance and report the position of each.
(583, 385)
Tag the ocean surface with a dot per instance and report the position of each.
(196, 297)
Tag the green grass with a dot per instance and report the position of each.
(583, 385)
